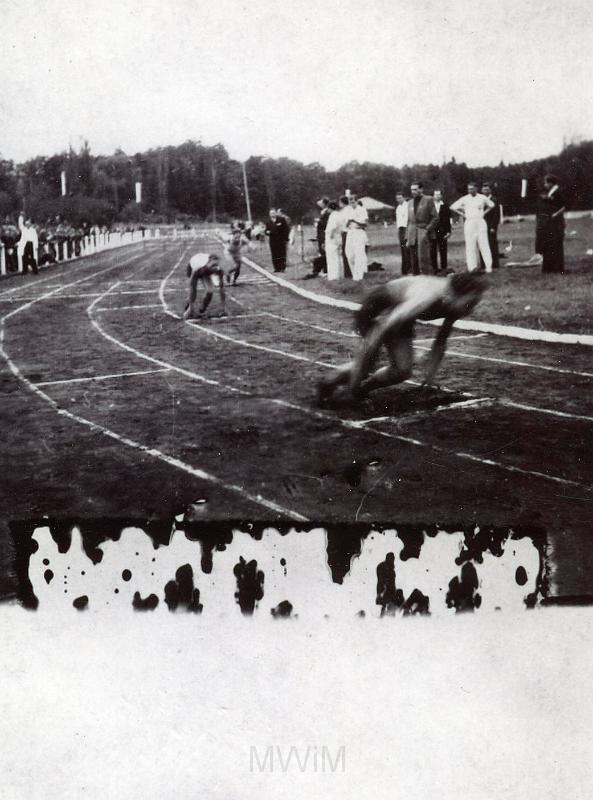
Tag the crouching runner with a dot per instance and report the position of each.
(200, 270)
(387, 316)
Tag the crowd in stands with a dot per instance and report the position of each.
(27, 246)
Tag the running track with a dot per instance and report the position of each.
(226, 410)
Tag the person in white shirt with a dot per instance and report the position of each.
(357, 220)
(202, 267)
(28, 245)
(401, 222)
(472, 207)
(333, 241)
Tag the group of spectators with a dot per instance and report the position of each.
(32, 245)
(424, 225)
(341, 239)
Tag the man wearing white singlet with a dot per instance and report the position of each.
(201, 269)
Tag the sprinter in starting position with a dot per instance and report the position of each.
(387, 317)
(201, 269)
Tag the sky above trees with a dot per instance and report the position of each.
(385, 80)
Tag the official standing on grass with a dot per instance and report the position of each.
(471, 208)
(422, 222)
(344, 204)
(333, 242)
(439, 244)
(278, 231)
(401, 223)
(357, 239)
(492, 219)
(550, 226)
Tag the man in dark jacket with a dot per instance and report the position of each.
(438, 245)
(422, 221)
(277, 231)
(492, 219)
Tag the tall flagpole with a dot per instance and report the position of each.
(245, 184)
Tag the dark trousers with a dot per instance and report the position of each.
(278, 250)
(29, 258)
(438, 252)
(347, 270)
(405, 251)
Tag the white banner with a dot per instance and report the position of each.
(63, 180)
(524, 187)
(138, 191)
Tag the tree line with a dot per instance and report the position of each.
(194, 181)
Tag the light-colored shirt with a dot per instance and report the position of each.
(357, 218)
(198, 261)
(401, 215)
(473, 206)
(333, 230)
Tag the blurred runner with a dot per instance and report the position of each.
(387, 317)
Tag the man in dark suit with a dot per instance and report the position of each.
(277, 231)
(492, 219)
(438, 244)
(422, 222)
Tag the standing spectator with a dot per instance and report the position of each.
(471, 208)
(10, 236)
(422, 221)
(357, 220)
(277, 230)
(333, 241)
(439, 245)
(550, 226)
(401, 222)
(492, 218)
(320, 261)
(344, 204)
(28, 245)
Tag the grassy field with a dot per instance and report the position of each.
(519, 295)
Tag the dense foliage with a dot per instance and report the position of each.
(195, 181)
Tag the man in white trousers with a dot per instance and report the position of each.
(471, 208)
(356, 239)
(333, 241)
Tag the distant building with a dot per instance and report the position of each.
(377, 211)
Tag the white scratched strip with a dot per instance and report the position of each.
(463, 324)
(103, 377)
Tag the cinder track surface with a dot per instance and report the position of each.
(114, 407)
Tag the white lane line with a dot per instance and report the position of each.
(511, 363)
(127, 308)
(352, 425)
(150, 451)
(509, 403)
(511, 331)
(457, 353)
(346, 423)
(102, 377)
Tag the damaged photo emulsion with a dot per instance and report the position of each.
(281, 571)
